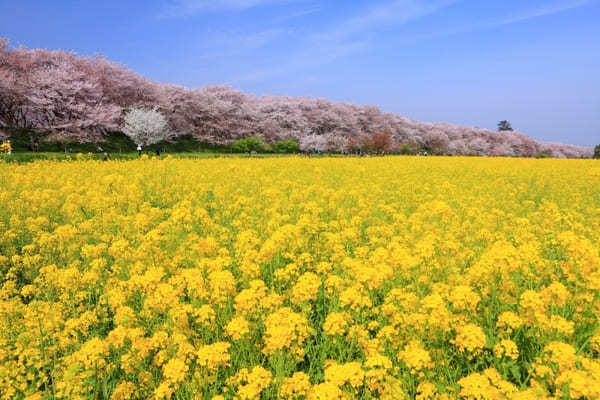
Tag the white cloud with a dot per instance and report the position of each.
(227, 44)
(398, 12)
(309, 57)
(549, 9)
(295, 15)
(520, 16)
(182, 8)
(350, 35)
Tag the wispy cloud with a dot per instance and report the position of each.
(183, 8)
(248, 41)
(307, 58)
(227, 44)
(294, 15)
(350, 35)
(546, 10)
(396, 13)
(520, 16)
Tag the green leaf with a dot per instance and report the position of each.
(516, 373)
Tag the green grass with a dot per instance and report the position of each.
(26, 157)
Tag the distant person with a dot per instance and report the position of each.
(106, 157)
(100, 149)
(139, 150)
(8, 147)
(158, 151)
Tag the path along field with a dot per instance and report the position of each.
(396, 277)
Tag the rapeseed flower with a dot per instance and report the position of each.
(390, 278)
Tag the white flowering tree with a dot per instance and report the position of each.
(145, 127)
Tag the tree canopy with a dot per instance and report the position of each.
(504, 126)
(84, 98)
(145, 127)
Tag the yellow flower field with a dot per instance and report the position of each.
(293, 278)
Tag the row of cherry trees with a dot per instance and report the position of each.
(85, 97)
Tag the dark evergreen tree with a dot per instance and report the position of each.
(504, 126)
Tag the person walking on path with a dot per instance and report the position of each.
(106, 157)
(139, 150)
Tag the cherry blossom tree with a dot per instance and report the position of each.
(313, 143)
(15, 106)
(145, 127)
(83, 98)
(53, 91)
(67, 100)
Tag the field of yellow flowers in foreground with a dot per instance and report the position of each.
(300, 278)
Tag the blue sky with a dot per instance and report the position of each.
(471, 62)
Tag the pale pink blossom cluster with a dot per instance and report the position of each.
(85, 97)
